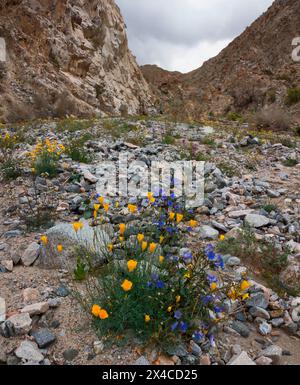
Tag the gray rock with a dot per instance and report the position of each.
(258, 300)
(2, 310)
(233, 261)
(177, 350)
(43, 337)
(207, 232)
(31, 254)
(241, 328)
(36, 308)
(195, 349)
(7, 329)
(263, 361)
(259, 312)
(257, 221)
(21, 323)
(277, 322)
(62, 291)
(93, 239)
(70, 354)
(265, 328)
(273, 351)
(142, 361)
(241, 360)
(29, 351)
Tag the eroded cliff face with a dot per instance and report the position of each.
(67, 57)
(255, 71)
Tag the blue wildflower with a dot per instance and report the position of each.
(160, 284)
(198, 336)
(183, 326)
(177, 314)
(174, 326)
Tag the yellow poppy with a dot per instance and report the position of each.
(132, 265)
(150, 197)
(97, 207)
(126, 285)
(96, 310)
(147, 318)
(117, 204)
(59, 248)
(161, 259)
(161, 239)
(193, 223)
(103, 314)
(213, 286)
(171, 215)
(169, 309)
(245, 285)
(144, 245)
(101, 200)
(77, 226)
(122, 228)
(44, 239)
(106, 207)
(179, 218)
(132, 208)
(140, 238)
(152, 247)
(222, 237)
(178, 298)
(110, 247)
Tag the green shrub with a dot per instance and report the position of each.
(293, 96)
(72, 125)
(168, 139)
(297, 130)
(290, 162)
(235, 117)
(9, 166)
(76, 150)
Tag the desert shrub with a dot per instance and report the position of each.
(148, 288)
(168, 139)
(76, 150)
(72, 125)
(297, 130)
(45, 156)
(235, 117)
(269, 207)
(293, 96)
(9, 166)
(274, 119)
(262, 255)
(289, 162)
(208, 141)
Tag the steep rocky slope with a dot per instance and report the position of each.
(67, 57)
(254, 71)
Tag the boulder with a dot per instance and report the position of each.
(29, 351)
(91, 239)
(21, 323)
(257, 221)
(30, 254)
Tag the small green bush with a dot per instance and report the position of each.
(297, 130)
(45, 157)
(293, 96)
(72, 125)
(76, 150)
(235, 117)
(290, 162)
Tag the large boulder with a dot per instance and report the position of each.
(89, 241)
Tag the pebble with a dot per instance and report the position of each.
(257, 221)
(263, 361)
(36, 308)
(43, 337)
(258, 300)
(98, 347)
(29, 351)
(142, 361)
(265, 328)
(241, 328)
(30, 254)
(70, 354)
(30, 295)
(2, 310)
(21, 323)
(242, 359)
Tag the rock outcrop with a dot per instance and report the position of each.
(67, 57)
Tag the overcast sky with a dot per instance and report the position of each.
(181, 34)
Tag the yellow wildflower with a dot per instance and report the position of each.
(132, 265)
(96, 310)
(110, 247)
(140, 237)
(147, 318)
(106, 207)
(213, 286)
(161, 239)
(122, 228)
(96, 207)
(150, 197)
(222, 237)
(44, 239)
(169, 309)
(144, 245)
(77, 226)
(59, 248)
(245, 296)
(103, 314)
(171, 215)
(117, 204)
(101, 200)
(178, 298)
(179, 218)
(126, 285)
(132, 208)
(152, 247)
(161, 259)
(121, 239)
(193, 223)
(245, 285)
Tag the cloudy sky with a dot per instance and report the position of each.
(181, 34)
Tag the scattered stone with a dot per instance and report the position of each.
(195, 349)
(2, 310)
(8, 264)
(277, 322)
(207, 232)
(258, 300)
(29, 351)
(265, 328)
(296, 314)
(43, 337)
(90, 177)
(53, 303)
(30, 295)
(70, 354)
(205, 360)
(98, 347)
(236, 350)
(62, 291)
(241, 328)
(257, 221)
(263, 361)
(36, 308)
(31, 254)
(142, 361)
(256, 311)
(241, 360)
(273, 351)
(21, 323)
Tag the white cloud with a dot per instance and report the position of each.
(182, 34)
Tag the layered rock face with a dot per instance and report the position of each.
(256, 70)
(67, 57)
